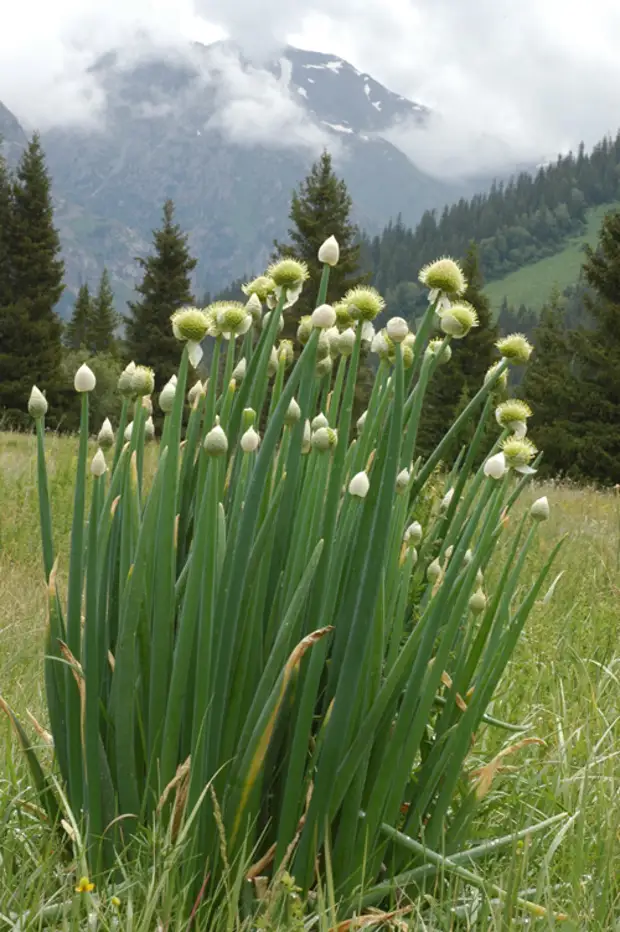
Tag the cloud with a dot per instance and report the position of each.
(508, 82)
(254, 107)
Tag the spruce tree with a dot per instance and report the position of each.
(104, 318)
(78, 330)
(6, 287)
(455, 383)
(30, 330)
(550, 390)
(165, 287)
(321, 207)
(597, 361)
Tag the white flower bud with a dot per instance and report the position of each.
(329, 253)
(323, 317)
(468, 557)
(250, 441)
(495, 467)
(105, 437)
(293, 413)
(37, 403)
(195, 392)
(478, 602)
(447, 500)
(266, 319)
(241, 368)
(479, 577)
(434, 571)
(254, 306)
(359, 485)
(346, 342)
(149, 429)
(147, 404)
(361, 421)
(84, 380)
(413, 534)
(449, 551)
(306, 444)
(166, 396)
(402, 480)
(324, 439)
(324, 366)
(128, 431)
(319, 421)
(216, 442)
(272, 365)
(98, 465)
(124, 381)
(540, 509)
(397, 329)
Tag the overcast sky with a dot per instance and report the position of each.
(510, 79)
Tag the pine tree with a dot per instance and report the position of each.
(104, 318)
(6, 287)
(30, 330)
(78, 330)
(165, 287)
(455, 383)
(549, 389)
(597, 361)
(320, 208)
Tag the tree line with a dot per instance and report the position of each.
(514, 223)
(572, 383)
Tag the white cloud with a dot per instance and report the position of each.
(512, 81)
(254, 107)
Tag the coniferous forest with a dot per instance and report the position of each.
(572, 380)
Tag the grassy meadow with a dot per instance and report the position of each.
(563, 681)
(532, 284)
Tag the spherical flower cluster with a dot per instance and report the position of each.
(142, 381)
(343, 315)
(288, 276)
(459, 320)
(519, 453)
(262, 287)
(191, 325)
(445, 280)
(304, 329)
(513, 414)
(501, 382)
(232, 318)
(363, 303)
(440, 350)
(515, 348)
(323, 439)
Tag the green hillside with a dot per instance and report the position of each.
(532, 284)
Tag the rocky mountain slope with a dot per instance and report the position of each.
(227, 141)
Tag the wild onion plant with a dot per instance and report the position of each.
(260, 643)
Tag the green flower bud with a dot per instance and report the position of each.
(540, 509)
(216, 442)
(477, 602)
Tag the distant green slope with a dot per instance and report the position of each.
(532, 284)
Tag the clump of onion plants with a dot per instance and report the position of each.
(259, 642)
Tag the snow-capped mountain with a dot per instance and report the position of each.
(227, 140)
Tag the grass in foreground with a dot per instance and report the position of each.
(565, 677)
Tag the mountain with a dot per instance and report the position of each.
(228, 142)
